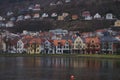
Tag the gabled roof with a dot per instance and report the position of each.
(89, 39)
(35, 40)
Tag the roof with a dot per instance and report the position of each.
(89, 39)
(35, 40)
(108, 39)
(61, 42)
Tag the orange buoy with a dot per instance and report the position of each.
(72, 77)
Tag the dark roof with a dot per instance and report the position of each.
(108, 39)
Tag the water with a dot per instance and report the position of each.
(58, 68)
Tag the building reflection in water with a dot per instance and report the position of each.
(59, 68)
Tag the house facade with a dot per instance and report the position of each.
(20, 46)
(97, 16)
(79, 46)
(117, 23)
(109, 16)
(48, 47)
(92, 45)
(109, 44)
(62, 46)
(34, 46)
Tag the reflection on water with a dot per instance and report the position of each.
(58, 68)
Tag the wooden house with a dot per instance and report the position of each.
(92, 45)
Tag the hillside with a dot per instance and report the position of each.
(101, 6)
(82, 26)
(74, 7)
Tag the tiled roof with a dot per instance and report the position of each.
(35, 40)
(62, 42)
(89, 39)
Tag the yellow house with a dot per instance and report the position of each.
(117, 23)
(79, 45)
(34, 46)
(60, 18)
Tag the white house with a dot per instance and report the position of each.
(2, 24)
(48, 48)
(86, 15)
(59, 3)
(10, 13)
(45, 15)
(65, 14)
(52, 4)
(1, 18)
(20, 18)
(118, 37)
(59, 31)
(109, 16)
(9, 24)
(27, 16)
(31, 7)
(12, 19)
(97, 16)
(54, 15)
(62, 46)
(88, 18)
(20, 46)
(36, 7)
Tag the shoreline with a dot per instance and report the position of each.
(105, 56)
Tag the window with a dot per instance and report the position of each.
(67, 47)
(38, 50)
(76, 46)
(59, 50)
(80, 42)
(32, 45)
(92, 41)
(97, 46)
(37, 45)
(67, 43)
(76, 42)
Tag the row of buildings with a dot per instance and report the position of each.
(60, 41)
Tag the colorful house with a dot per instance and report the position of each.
(86, 15)
(117, 23)
(74, 17)
(79, 45)
(36, 15)
(60, 18)
(36, 7)
(34, 46)
(92, 45)
(62, 46)
(109, 44)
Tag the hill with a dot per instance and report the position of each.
(81, 25)
(74, 7)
